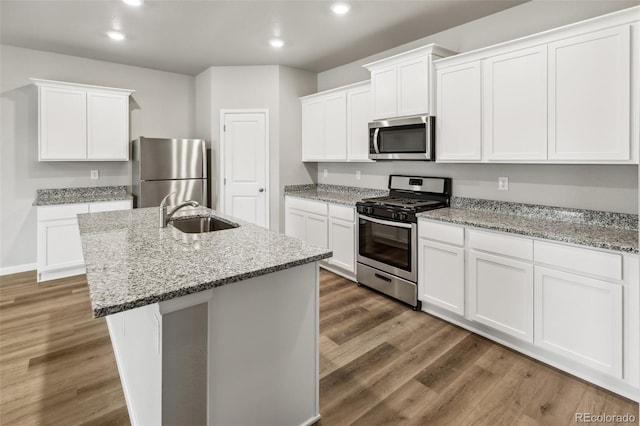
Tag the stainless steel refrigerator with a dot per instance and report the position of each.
(162, 166)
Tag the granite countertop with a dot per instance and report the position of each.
(611, 231)
(131, 262)
(49, 197)
(336, 194)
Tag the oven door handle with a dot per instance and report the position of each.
(386, 222)
(375, 140)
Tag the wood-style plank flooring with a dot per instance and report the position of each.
(380, 364)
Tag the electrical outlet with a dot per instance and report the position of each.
(95, 174)
(325, 173)
(503, 183)
(357, 174)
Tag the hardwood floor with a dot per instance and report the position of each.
(380, 364)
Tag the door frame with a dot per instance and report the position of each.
(221, 175)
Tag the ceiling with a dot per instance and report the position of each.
(187, 36)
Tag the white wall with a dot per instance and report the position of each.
(597, 187)
(163, 106)
(293, 84)
(269, 87)
(610, 188)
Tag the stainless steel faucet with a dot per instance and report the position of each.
(164, 216)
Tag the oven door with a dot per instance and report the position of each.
(388, 246)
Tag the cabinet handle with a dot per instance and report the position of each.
(260, 189)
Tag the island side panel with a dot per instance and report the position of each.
(136, 340)
(184, 366)
(263, 346)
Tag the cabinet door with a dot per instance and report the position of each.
(342, 240)
(59, 245)
(413, 87)
(441, 275)
(316, 230)
(501, 294)
(335, 126)
(313, 130)
(62, 124)
(294, 224)
(579, 318)
(515, 105)
(107, 126)
(458, 111)
(385, 92)
(589, 105)
(359, 114)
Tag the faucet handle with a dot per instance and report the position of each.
(163, 203)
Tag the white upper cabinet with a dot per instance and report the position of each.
(77, 122)
(334, 124)
(62, 124)
(568, 95)
(313, 128)
(402, 84)
(589, 100)
(515, 105)
(385, 97)
(107, 126)
(458, 113)
(359, 114)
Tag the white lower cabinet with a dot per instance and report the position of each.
(501, 294)
(342, 237)
(570, 306)
(316, 230)
(441, 271)
(324, 225)
(579, 318)
(59, 247)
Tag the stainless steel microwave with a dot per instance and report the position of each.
(408, 138)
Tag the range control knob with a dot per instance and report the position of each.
(399, 216)
(368, 210)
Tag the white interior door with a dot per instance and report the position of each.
(244, 170)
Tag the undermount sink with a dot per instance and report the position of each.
(201, 224)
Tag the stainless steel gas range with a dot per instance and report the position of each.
(387, 234)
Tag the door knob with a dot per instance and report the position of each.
(260, 189)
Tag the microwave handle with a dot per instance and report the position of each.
(375, 140)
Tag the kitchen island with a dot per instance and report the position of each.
(213, 328)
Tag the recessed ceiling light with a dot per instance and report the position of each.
(276, 42)
(115, 35)
(133, 2)
(340, 8)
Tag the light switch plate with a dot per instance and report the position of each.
(95, 174)
(325, 173)
(358, 175)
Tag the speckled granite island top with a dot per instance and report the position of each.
(131, 262)
(50, 197)
(336, 194)
(611, 231)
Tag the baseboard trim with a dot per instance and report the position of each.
(8, 270)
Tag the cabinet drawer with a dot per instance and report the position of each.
(296, 203)
(108, 206)
(506, 245)
(449, 234)
(317, 207)
(67, 211)
(341, 212)
(583, 261)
